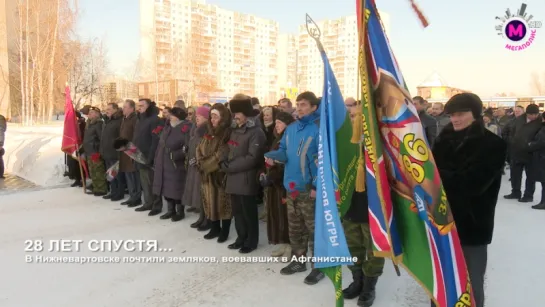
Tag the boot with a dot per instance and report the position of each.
(224, 232)
(540, 206)
(314, 277)
(180, 214)
(354, 289)
(214, 231)
(199, 221)
(367, 296)
(287, 253)
(205, 225)
(76, 183)
(170, 210)
(526, 199)
(512, 196)
(294, 267)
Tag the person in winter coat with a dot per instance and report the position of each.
(470, 160)
(91, 146)
(428, 122)
(275, 194)
(246, 148)
(3, 128)
(537, 169)
(267, 119)
(437, 111)
(298, 150)
(74, 171)
(169, 168)
(146, 138)
(191, 115)
(524, 130)
(192, 193)
(489, 124)
(216, 203)
(111, 156)
(367, 270)
(127, 166)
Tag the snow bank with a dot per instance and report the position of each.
(34, 153)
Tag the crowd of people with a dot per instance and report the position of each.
(222, 160)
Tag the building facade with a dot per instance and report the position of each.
(115, 90)
(209, 49)
(340, 41)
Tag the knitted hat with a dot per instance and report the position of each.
(179, 113)
(532, 109)
(285, 117)
(465, 102)
(203, 111)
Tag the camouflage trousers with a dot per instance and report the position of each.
(360, 244)
(97, 172)
(301, 223)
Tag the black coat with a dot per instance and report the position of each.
(110, 133)
(470, 164)
(523, 133)
(537, 147)
(144, 138)
(430, 126)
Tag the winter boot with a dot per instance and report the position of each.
(76, 183)
(367, 296)
(314, 277)
(199, 221)
(354, 289)
(170, 210)
(205, 225)
(526, 199)
(214, 231)
(294, 267)
(224, 232)
(512, 196)
(540, 206)
(180, 213)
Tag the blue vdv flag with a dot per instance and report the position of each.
(329, 239)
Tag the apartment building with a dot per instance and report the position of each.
(116, 89)
(209, 49)
(340, 41)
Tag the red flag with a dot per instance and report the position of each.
(71, 137)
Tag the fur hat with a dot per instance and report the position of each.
(465, 102)
(243, 105)
(179, 113)
(285, 117)
(532, 109)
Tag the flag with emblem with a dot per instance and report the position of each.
(409, 215)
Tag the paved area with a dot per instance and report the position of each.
(12, 184)
(29, 219)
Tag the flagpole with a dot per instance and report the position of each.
(83, 178)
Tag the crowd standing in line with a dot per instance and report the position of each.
(220, 161)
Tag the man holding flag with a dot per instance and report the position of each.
(298, 149)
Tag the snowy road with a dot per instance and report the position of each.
(515, 261)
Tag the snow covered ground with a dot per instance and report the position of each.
(34, 153)
(515, 271)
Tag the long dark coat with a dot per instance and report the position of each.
(470, 163)
(275, 195)
(537, 147)
(210, 152)
(169, 170)
(126, 131)
(192, 192)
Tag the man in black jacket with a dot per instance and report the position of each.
(523, 131)
(111, 156)
(470, 160)
(146, 138)
(428, 122)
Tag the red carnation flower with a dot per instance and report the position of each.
(292, 185)
(294, 194)
(233, 143)
(208, 137)
(185, 128)
(158, 130)
(95, 157)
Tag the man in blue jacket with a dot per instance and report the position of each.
(298, 150)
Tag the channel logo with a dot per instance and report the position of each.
(518, 29)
